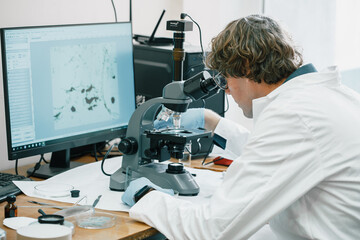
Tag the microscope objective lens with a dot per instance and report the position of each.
(176, 120)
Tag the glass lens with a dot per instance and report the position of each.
(220, 81)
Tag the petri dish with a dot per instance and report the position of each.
(53, 189)
(44, 231)
(95, 220)
(66, 224)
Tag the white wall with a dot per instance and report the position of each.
(212, 15)
(46, 12)
(54, 12)
(312, 26)
(146, 14)
(347, 52)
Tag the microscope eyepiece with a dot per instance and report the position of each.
(200, 86)
(207, 85)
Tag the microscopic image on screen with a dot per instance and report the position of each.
(79, 91)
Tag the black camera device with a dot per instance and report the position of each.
(179, 25)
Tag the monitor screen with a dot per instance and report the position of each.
(66, 86)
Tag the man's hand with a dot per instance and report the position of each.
(139, 184)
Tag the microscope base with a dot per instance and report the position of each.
(183, 183)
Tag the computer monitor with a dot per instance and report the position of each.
(64, 87)
(153, 66)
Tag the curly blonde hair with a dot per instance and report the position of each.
(255, 47)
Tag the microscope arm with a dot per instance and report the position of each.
(141, 121)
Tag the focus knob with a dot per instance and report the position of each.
(175, 168)
(151, 153)
(128, 146)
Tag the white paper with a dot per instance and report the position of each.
(91, 182)
(218, 152)
(208, 181)
(18, 222)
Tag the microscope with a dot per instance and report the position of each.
(144, 147)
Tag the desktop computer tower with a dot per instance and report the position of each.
(153, 67)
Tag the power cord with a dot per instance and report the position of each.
(106, 155)
(99, 151)
(16, 166)
(227, 104)
(113, 5)
(96, 153)
(182, 16)
(37, 165)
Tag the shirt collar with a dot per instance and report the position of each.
(329, 75)
(308, 68)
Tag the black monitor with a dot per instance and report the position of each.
(65, 87)
(153, 66)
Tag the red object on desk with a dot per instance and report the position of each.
(222, 161)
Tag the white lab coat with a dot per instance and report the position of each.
(300, 170)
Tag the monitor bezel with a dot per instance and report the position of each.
(65, 143)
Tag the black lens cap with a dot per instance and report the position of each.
(51, 219)
(75, 193)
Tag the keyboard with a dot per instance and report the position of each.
(7, 187)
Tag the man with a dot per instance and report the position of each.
(299, 169)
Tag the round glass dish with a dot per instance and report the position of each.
(53, 189)
(95, 220)
(66, 224)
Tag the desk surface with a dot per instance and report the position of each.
(125, 227)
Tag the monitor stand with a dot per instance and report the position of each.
(60, 162)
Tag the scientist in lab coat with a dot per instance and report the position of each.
(299, 169)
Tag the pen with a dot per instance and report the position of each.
(96, 201)
(80, 200)
(45, 204)
(215, 160)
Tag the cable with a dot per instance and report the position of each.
(112, 2)
(99, 152)
(130, 10)
(203, 103)
(102, 162)
(37, 165)
(263, 7)
(95, 153)
(182, 16)
(227, 104)
(16, 166)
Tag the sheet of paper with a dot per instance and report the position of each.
(222, 153)
(91, 182)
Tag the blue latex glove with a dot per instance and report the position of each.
(193, 118)
(136, 185)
